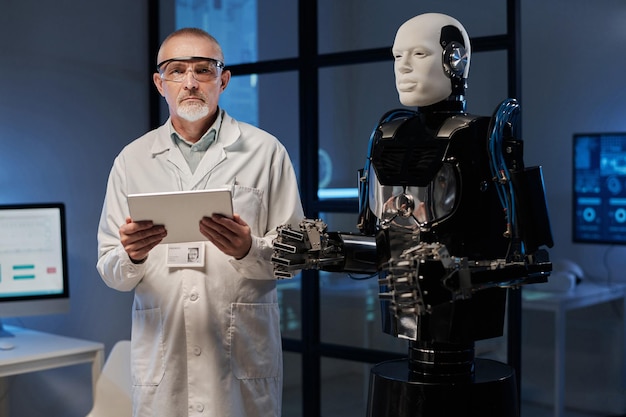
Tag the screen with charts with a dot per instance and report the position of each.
(32, 252)
(599, 195)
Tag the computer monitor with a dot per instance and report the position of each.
(599, 192)
(33, 261)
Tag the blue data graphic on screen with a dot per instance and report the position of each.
(599, 188)
(31, 257)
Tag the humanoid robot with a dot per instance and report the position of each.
(450, 219)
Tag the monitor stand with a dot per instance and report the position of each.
(4, 332)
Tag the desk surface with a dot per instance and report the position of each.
(35, 351)
(583, 295)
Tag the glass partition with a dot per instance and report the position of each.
(292, 385)
(344, 388)
(248, 30)
(352, 100)
(269, 101)
(349, 26)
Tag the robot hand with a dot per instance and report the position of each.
(313, 247)
(410, 287)
(310, 247)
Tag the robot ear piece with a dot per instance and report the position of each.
(454, 60)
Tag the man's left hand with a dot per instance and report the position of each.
(231, 236)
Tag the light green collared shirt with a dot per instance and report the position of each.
(194, 152)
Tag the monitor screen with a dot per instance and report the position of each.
(33, 260)
(599, 192)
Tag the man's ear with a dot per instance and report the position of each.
(225, 77)
(158, 82)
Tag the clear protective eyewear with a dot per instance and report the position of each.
(202, 68)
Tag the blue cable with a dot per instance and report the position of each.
(506, 114)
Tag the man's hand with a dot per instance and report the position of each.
(231, 236)
(138, 238)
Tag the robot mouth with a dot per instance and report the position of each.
(406, 86)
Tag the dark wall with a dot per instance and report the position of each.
(73, 91)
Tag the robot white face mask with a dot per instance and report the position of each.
(421, 77)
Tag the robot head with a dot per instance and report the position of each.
(432, 58)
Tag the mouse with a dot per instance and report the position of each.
(6, 346)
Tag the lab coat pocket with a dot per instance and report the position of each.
(248, 203)
(148, 365)
(255, 346)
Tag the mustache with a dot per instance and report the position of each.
(198, 95)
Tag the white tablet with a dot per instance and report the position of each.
(181, 211)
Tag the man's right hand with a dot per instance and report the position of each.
(138, 238)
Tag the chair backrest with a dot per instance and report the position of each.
(113, 396)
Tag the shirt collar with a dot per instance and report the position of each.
(210, 136)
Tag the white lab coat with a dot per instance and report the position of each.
(205, 341)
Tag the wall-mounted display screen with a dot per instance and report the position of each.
(599, 192)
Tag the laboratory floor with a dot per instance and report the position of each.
(534, 410)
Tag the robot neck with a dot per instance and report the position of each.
(453, 104)
(436, 113)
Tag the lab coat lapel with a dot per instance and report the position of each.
(164, 147)
(217, 152)
(214, 156)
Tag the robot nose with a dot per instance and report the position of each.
(403, 65)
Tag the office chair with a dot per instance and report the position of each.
(112, 396)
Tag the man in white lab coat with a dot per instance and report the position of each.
(205, 338)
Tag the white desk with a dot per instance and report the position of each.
(584, 295)
(38, 351)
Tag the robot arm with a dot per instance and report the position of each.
(313, 247)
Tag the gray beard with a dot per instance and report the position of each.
(193, 113)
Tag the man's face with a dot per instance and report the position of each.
(190, 99)
(420, 78)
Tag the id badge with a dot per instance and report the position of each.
(190, 255)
